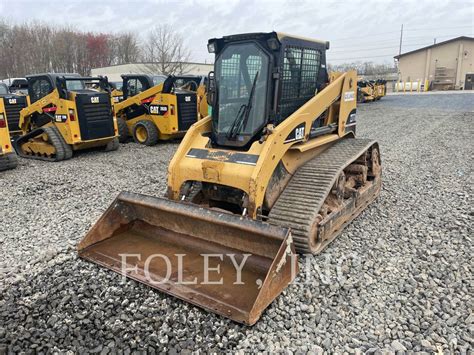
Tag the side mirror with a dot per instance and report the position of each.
(211, 88)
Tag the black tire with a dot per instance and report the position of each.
(112, 145)
(145, 132)
(8, 161)
(122, 129)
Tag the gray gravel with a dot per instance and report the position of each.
(398, 278)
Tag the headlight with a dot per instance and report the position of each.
(211, 47)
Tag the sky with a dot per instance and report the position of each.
(357, 30)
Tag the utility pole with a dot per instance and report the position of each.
(401, 38)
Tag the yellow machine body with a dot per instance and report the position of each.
(8, 158)
(254, 178)
(372, 90)
(117, 95)
(169, 113)
(68, 126)
(62, 121)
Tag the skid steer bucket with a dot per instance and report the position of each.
(225, 263)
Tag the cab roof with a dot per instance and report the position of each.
(53, 76)
(280, 36)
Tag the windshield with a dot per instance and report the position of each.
(117, 85)
(3, 89)
(158, 79)
(241, 82)
(75, 85)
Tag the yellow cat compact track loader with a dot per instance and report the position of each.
(365, 91)
(12, 105)
(63, 116)
(275, 170)
(8, 159)
(380, 87)
(371, 90)
(155, 107)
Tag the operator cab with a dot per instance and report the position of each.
(40, 85)
(134, 84)
(260, 79)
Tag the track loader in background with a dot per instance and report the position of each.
(8, 159)
(365, 91)
(371, 90)
(63, 116)
(12, 105)
(275, 169)
(380, 86)
(156, 107)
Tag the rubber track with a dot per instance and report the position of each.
(8, 161)
(302, 199)
(63, 150)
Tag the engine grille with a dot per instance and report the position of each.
(95, 119)
(12, 111)
(187, 110)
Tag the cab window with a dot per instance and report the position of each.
(134, 87)
(39, 88)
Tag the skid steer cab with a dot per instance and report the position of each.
(156, 107)
(8, 159)
(64, 116)
(12, 105)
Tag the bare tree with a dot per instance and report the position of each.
(164, 51)
(36, 47)
(126, 48)
(364, 68)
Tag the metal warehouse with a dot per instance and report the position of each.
(444, 65)
(113, 72)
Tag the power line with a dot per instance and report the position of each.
(384, 33)
(378, 48)
(372, 56)
(434, 29)
(431, 36)
(349, 38)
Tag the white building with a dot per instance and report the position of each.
(113, 72)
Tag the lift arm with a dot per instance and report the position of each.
(40, 106)
(139, 99)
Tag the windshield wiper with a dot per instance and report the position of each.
(240, 121)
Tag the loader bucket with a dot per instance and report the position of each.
(194, 253)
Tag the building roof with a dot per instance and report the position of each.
(435, 45)
(148, 63)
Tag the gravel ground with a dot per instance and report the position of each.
(398, 278)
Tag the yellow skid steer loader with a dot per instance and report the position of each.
(8, 159)
(275, 170)
(155, 107)
(63, 116)
(12, 105)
